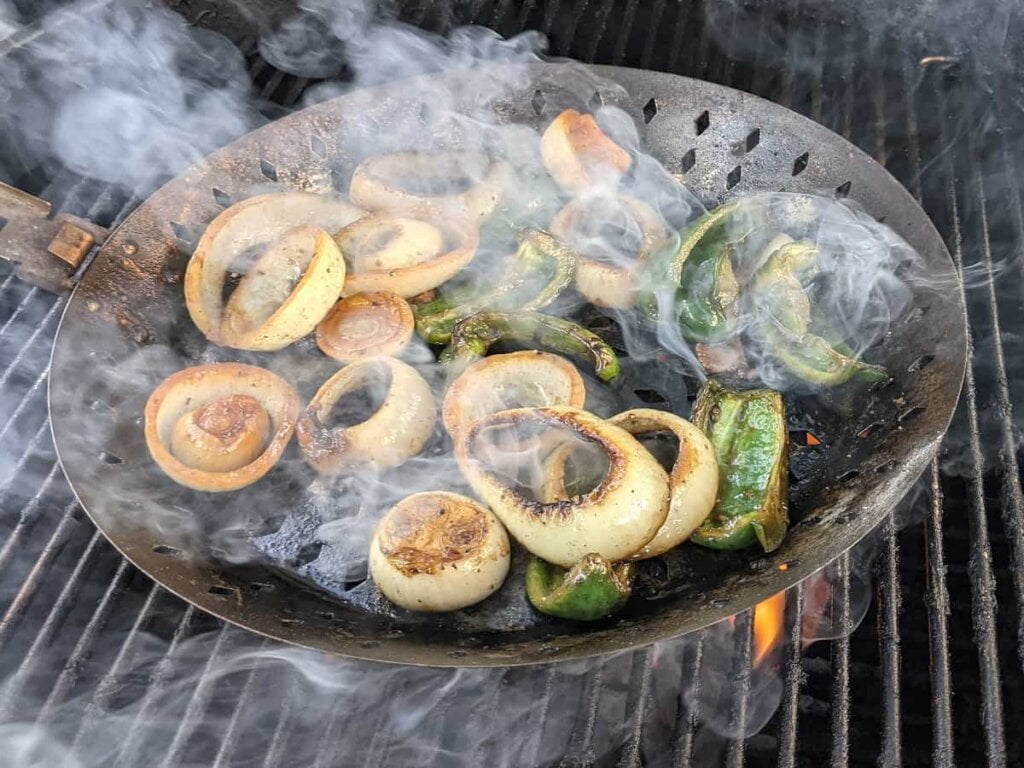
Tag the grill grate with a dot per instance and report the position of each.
(77, 619)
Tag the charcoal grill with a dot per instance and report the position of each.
(75, 613)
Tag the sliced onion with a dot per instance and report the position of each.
(366, 325)
(614, 520)
(602, 283)
(302, 270)
(515, 380)
(693, 480)
(578, 154)
(220, 427)
(377, 184)
(387, 239)
(438, 552)
(396, 431)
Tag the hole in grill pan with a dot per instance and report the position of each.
(182, 233)
(261, 586)
(885, 466)
(753, 139)
(221, 198)
(702, 122)
(537, 102)
(318, 146)
(843, 190)
(109, 458)
(688, 160)
(922, 362)
(651, 396)
(800, 164)
(291, 622)
(163, 549)
(650, 110)
(219, 589)
(267, 169)
(910, 413)
(3, 222)
(870, 429)
(848, 475)
(596, 101)
(734, 177)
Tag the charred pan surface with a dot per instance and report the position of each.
(128, 304)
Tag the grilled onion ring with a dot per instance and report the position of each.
(384, 238)
(578, 154)
(202, 419)
(614, 520)
(396, 431)
(515, 380)
(604, 284)
(377, 183)
(366, 325)
(255, 225)
(438, 552)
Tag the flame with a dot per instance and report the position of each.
(769, 616)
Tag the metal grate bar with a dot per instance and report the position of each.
(582, 740)
(625, 27)
(841, 664)
(25, 302)
(743, 634)
(597, 35)
(630, 757)
(983, 597)
(889, 599)
(792, 682)
(938, 629)
(279, 739)
(30, 451)
(654, 24)
(33, 391)
(545, 709)
(229, 740)
(687, 719)
(31, 343)
(27, 513)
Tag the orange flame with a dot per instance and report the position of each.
(769, 616)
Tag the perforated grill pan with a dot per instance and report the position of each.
(126, 327)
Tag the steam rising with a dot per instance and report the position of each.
(141, 97)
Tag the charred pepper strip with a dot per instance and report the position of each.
(700, 268)
(472, 336)
(748, 430)
(592, 589)
(778, 295)
(543, 267)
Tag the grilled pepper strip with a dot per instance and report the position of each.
(543, 267)
(592, 589)
(777, 292)
(748, 431)
(472, 336)
(700, 268)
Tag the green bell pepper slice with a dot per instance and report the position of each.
(472, 336)
(590, 590)
(748, 431)
(542, 268)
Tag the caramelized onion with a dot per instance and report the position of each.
(397, 430)
(416, 256)
(578, 154)
(366, 325)
(432, 183)
(220, 427)
(603, 282)
(614, 520)
(291, 286)
(515, 380)
(438, 552)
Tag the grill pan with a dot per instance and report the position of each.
(126, 327)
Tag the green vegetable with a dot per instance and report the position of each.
(785, 321)
(748, 430)
(542, 268)
(705, 298)
(472, 336)
(592, 589)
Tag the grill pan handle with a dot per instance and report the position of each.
(46, 251)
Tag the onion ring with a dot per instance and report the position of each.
(305, 271)
(366, 325)
(376, 183)
(578, 154)
(614, 520)
(438, 552)
(206, 413)
(396, 240)
(396, 431)
(515, 380)
(601, 283)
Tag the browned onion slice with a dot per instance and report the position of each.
(396, 431)
(603, 283)
(411, 265)
(295, 280)
(220, 427)
(366, 325)
(515, 380)
(438, 551)
(431, 184)
(578, 154)
(614, 520)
